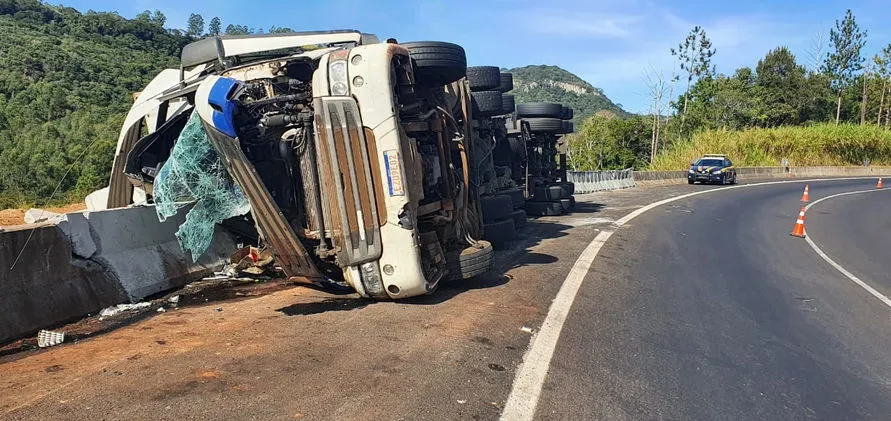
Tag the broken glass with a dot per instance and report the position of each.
(194, 174)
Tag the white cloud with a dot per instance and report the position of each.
(575, 24)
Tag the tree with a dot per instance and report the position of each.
(279, 30)
(815, 51)
(781, 84)
(882, 62)
(237, 30)
(695, 58)
(144, 16)
(196, 25)
(159, 19)
(215, 26)
(841, 64)
(658, 88)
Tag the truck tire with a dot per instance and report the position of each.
(517, 197)
(508, 104)
(568, 188)
(552, 208)
(567, 113)
(547, 194)
(469, 262)
(437, 63)
(540, 109)
(486, 103)
(568, 127)
(544, 124)
(500, 232)
(566, 204)
(507, 82)
(483, 78)
(496, 207)
(519, 217)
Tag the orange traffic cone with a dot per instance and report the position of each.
(879, 184)
(806, 197)
(798, 231)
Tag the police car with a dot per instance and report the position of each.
(717, 169)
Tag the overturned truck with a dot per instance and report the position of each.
(353, 155)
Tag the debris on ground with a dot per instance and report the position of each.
(120, 308)
(33, 216)
(161, 310)
(527, 329)
(173, 300)
(47, 338)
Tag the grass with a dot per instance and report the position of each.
(817, 145)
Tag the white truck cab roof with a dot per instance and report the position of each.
(227, 49)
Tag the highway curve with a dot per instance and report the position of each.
(706, 308)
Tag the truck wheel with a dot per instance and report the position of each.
(486, 103)
(547, 194)
(567, 113)
(544, 124)
(500, 232)
(469, 262)
(519, 217)
(553, 208)
(566, 204)
(568, 188)
(496, 207)
(517, 197)
(508, 104)
(507, 82)
(483, 78)
(540, 109)
(437, 63)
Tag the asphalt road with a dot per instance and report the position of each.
(706, 308)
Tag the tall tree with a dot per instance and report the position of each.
(781, 83)
(695, 58)
(658, 87)
(845, 61)
(159, 19)
(237, 30)
(196, 25)
(815, 51)
(215, 26)
(882, 62)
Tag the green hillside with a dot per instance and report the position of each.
(554, 84)
(66, 82)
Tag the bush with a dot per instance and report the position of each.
(820, 144)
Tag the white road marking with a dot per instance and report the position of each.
(533, 371)
(839, 267)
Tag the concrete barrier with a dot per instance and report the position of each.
(92, 260)
(678, 177)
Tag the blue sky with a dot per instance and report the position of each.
(611, 44)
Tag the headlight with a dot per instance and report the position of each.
(716, 172)
(338, 77)
(690, 171)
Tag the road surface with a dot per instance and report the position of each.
(707, 308)
(703, 308)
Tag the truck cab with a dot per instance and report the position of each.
(351, 153)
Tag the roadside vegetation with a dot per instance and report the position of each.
(66, 83)
(834, 108)
(819, 144)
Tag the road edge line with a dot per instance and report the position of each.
(863, 284)
(533, 370)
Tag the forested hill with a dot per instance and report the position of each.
(66, 82)
(554, 84)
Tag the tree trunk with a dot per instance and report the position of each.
(881, 103)
(656, 148)
(863, 100)
(653, 138)
(838, 109)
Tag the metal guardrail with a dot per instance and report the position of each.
(593, 181)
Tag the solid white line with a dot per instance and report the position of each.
(531, 373)
(839, 267)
